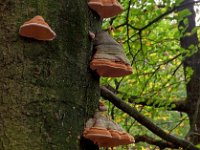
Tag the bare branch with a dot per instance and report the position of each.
(107, 94)
(152, 141)
(179, 105)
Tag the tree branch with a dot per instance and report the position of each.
(152, 141)
(156, 19)
(107, 94)
(168, 12)
(179, 105)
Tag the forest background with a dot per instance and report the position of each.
(161, 40)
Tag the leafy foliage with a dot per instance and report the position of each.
(151, 40)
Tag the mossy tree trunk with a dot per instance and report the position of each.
(47, 91)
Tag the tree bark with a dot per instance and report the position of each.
(47, 91)
(193, 86)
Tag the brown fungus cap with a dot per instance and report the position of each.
(108, 68)
(38, 29)
(98, 133)
(109, 59)
(106, 8)
(105, 132)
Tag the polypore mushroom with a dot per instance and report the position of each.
(106, 8)
(38, 29)
(98, 133)
(116, 130)
(105, 132)
(109, 59)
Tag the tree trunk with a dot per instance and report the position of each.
(193, 86)
(47, 91)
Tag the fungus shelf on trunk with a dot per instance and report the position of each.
(106, 8)
(38, 29)
(105, 132)
(109, 59)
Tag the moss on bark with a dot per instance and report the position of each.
(47, 91)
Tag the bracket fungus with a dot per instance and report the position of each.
(38, 29)
(105, 132)
(106, 8)
(109, 59)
